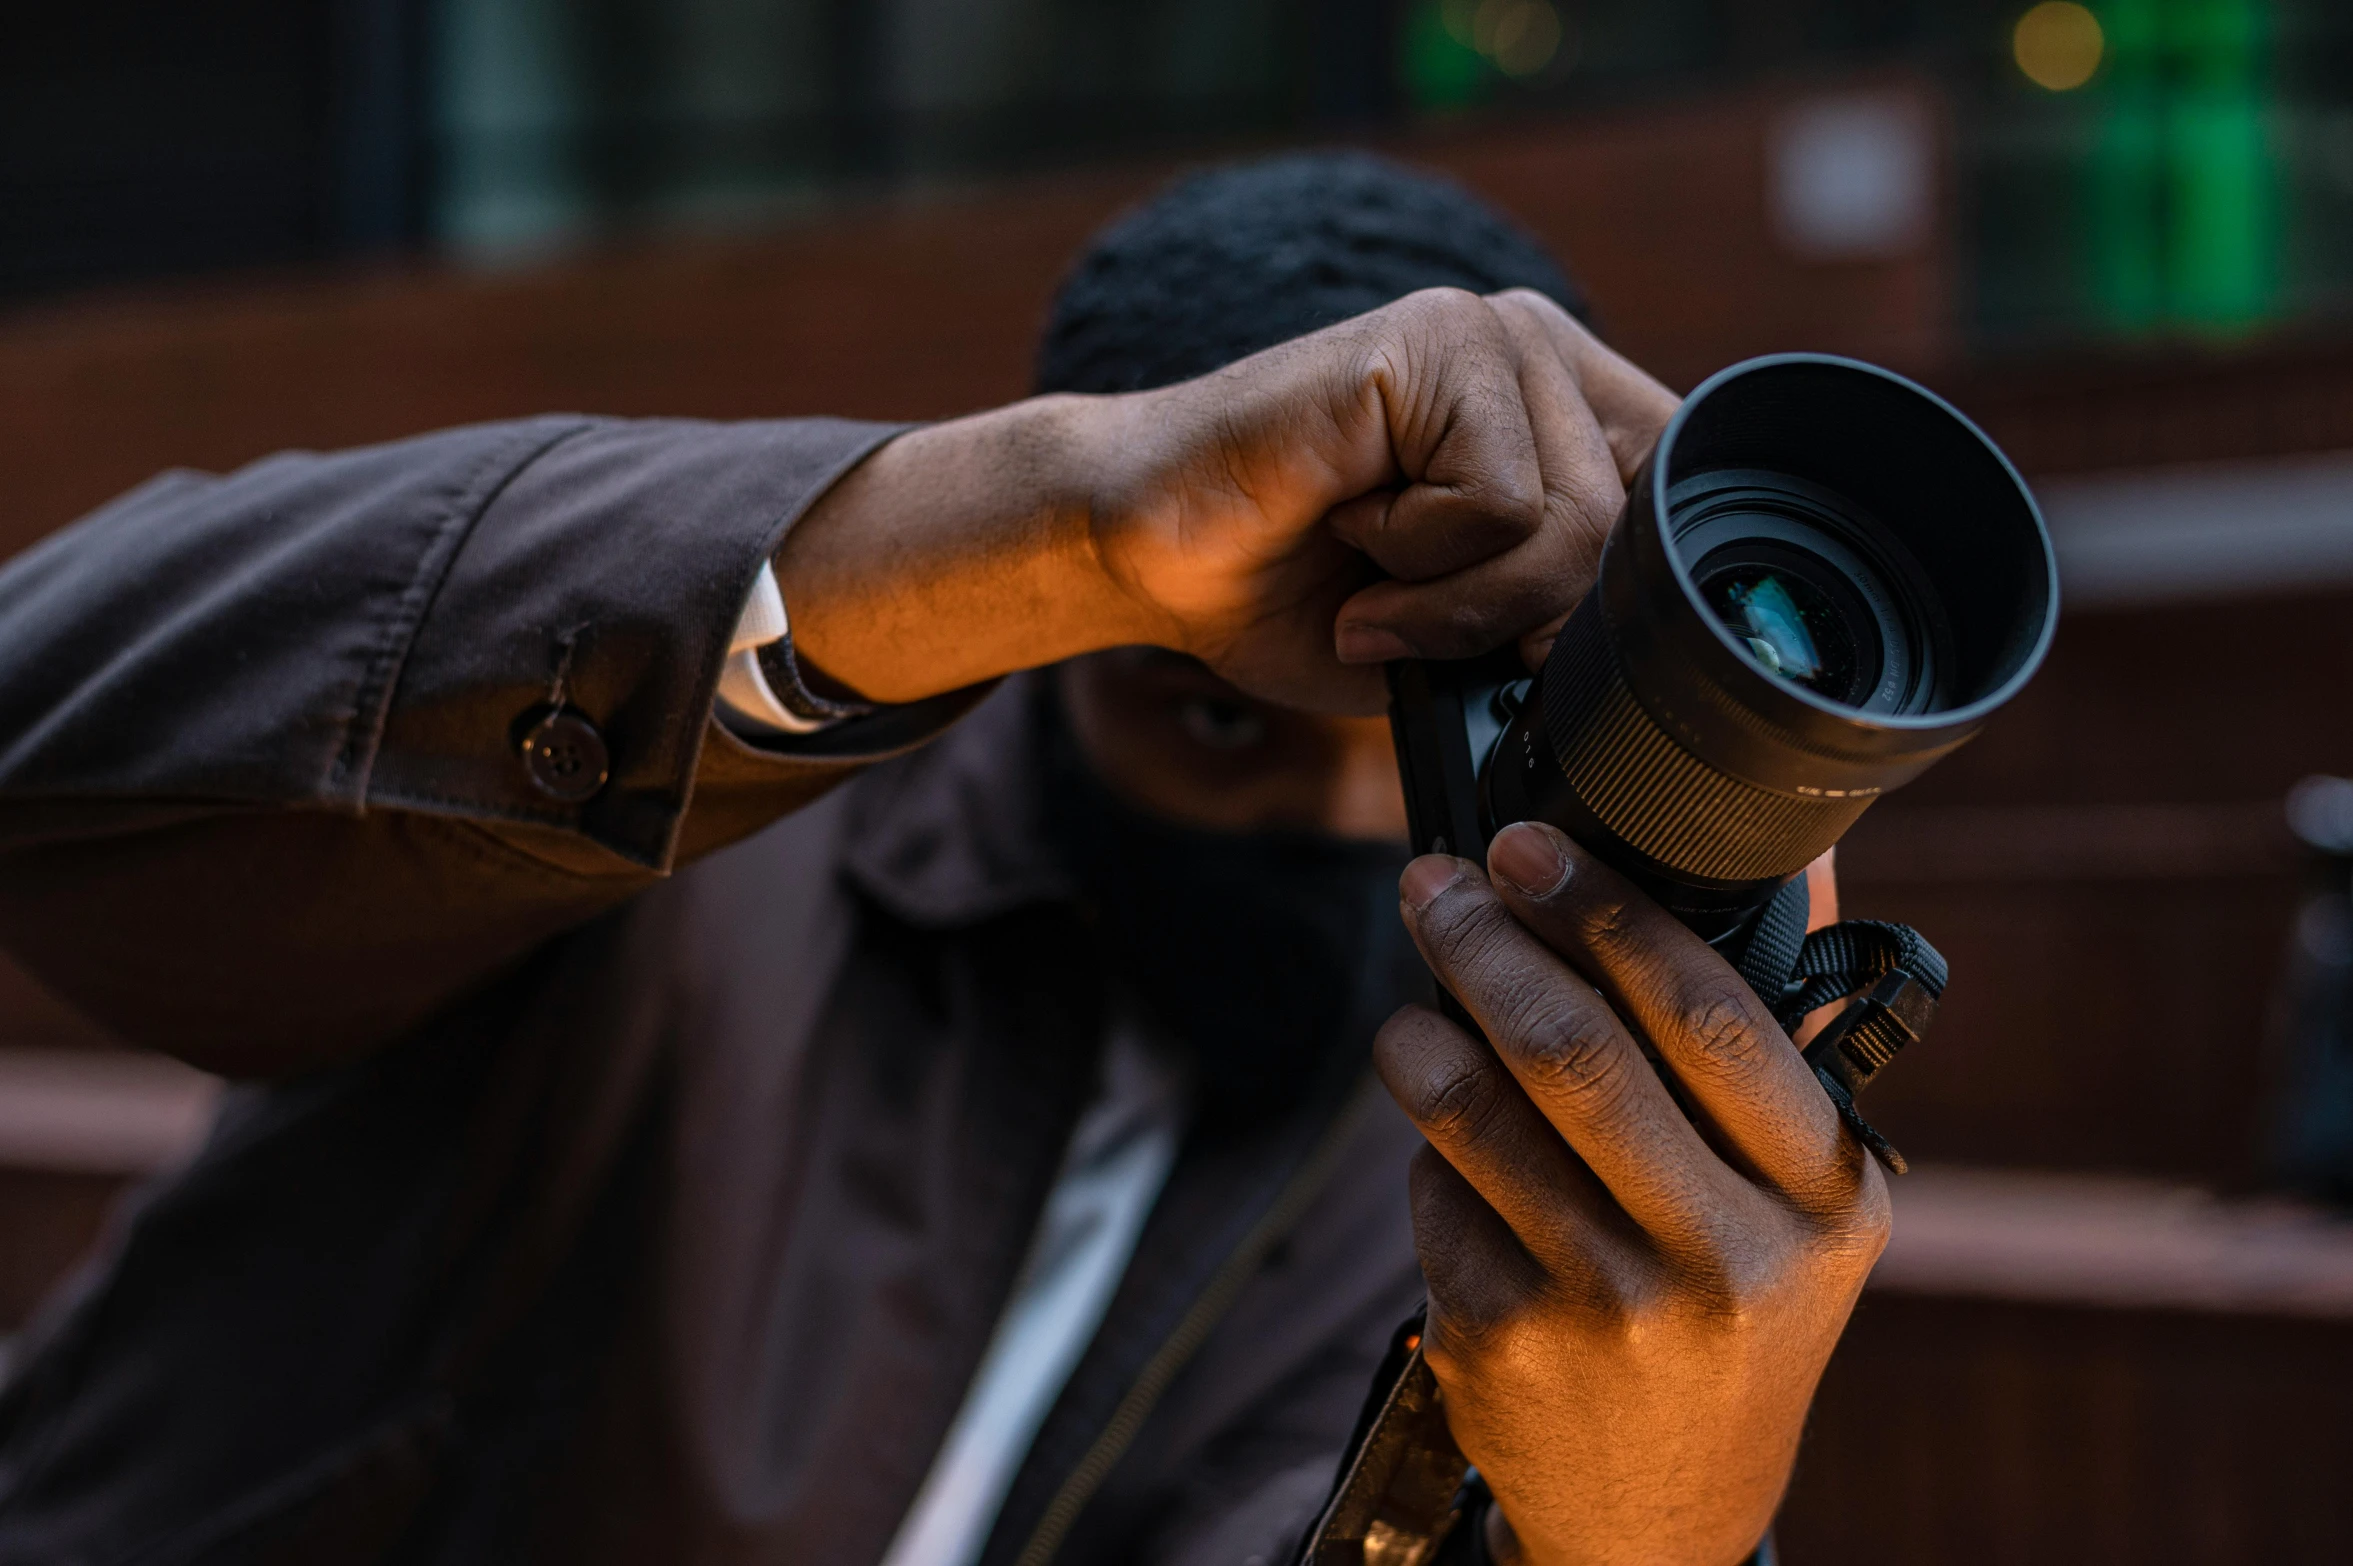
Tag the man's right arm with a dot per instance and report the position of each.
(263, 798)
(266, 791)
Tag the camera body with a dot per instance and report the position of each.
(1825, 580)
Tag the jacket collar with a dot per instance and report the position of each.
(955, 833)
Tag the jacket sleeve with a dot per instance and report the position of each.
(263, 797)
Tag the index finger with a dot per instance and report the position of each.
(1736, 1066)
(1570, 1053)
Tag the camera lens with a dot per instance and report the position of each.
(1825, 580)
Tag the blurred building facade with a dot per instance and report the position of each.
(2122, 169)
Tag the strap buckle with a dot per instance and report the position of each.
(1870, 1030)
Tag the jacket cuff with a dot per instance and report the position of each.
(600, 585)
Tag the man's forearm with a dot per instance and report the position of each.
(1423, 479)
(959, 552)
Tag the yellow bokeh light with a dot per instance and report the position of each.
(1520, 36)
(2058, 45)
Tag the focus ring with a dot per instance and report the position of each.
(1657, 796)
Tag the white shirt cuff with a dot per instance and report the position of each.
(746, 700)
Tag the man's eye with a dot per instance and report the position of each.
(1220, 725)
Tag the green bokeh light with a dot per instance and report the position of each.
(2182, 207)
(1439, 70)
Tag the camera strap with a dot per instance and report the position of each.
(1404, 1486)
(1887, 976)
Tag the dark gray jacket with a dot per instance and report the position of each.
(631, 1180)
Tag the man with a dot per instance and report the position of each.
(651, 1150)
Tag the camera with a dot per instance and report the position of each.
(1825, 580)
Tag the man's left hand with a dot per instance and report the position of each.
(1636, 1274)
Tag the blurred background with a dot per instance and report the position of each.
(2117, 1321)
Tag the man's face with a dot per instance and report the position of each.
(1174, 740)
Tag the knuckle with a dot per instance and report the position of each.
(1479, 1329)
(1465, 926)
(1539, 310)
(1445, 311)
(1571, 1050)
(1752, 1274)
(1517, 500)
(1625, 1314)
(1872, 1226)
(1458, 1101)
(1454, 1337)
(1857, 1229)
(1382, 361)
(1525, 505)
(1720, 1030)
(1450, 303)
(1605, 919)
(1641, 1317)
(1875, 1212)
(1719, 1297)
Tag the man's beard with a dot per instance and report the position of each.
(1269, 957)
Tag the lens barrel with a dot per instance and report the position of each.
(1826, 579)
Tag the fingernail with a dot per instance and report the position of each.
(1369, 644)
(1529, 858)
(1425, 878)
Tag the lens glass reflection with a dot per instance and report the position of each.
(1792, 628)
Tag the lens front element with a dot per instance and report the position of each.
(1792, 628)
(1813, 589)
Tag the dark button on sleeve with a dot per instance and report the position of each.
(566, 757)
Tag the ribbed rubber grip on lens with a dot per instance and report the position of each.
(1656, 795)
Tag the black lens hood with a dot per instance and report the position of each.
(1901, 456)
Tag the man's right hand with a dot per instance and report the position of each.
(1434, 478)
